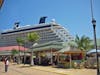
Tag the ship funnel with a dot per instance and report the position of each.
(42, 19)
(16, 25)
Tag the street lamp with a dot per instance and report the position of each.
(95, 42)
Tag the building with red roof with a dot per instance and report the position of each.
(8, 49)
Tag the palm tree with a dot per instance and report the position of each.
(83, 43)
(72, 44)
(14, 52)
(32, 37)
(20, 42)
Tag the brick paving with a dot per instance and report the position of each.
(15, 69)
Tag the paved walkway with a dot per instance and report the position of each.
(66, 71)
(15, 69)
(58, 71)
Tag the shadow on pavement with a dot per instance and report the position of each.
(25, 66)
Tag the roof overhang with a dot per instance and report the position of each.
(47, 46)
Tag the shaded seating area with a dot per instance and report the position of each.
(55, 54)
(45, 52)
(69, 57)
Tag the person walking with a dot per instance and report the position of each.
(6, 64)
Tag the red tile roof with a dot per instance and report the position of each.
(13, 48)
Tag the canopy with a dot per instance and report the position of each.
(93, 51)
(47, 46)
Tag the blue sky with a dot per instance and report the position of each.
(75, 15)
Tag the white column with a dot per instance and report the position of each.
(39, 58)
(51, 56)
(32, 61)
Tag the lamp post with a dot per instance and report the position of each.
(95, 42)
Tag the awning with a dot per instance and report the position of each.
(93, 51)
(3, 53)
(47, 46)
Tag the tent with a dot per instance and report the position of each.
(93, 51)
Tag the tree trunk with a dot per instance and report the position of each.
(70, 61)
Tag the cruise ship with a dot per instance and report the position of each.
(47, 31)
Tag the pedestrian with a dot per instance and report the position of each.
(6, 64)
